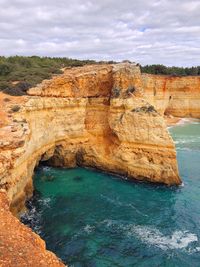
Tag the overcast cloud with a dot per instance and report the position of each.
(145, 31)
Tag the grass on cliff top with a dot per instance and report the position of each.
(18, 74)
(159, 69)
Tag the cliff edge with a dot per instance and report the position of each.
(94, 116)
(176, 96)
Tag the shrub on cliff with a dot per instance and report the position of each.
(5, 69)
(115, 92)
(17, 90)
(145, 109)
(173, 71)
(18, 73)
(15, 108)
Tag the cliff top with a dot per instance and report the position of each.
(89, 81)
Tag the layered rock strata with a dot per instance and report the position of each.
(94, 116)
(177, 96)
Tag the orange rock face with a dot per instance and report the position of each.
(95, 116)
(177, 96)
(19, 246)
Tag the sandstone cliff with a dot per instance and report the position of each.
(177, 96)
(19, 246)
(91, 116)
(95, 116)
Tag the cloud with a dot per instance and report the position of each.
(157, 31)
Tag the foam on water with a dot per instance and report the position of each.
(184, 121)
(33, 217)
(46, 168)
(178, 239)
(149, 235)
(88, 229)
(93, 219)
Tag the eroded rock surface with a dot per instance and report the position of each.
(177, 96)
(95, 116)
(19, 246)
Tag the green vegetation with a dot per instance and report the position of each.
(15, 108)
(115, 92)
(173, 71)
(145, 109)
(18, 74)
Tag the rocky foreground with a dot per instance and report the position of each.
(19, 246)
(106, 116)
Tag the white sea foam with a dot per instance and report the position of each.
(89, 229)
(45, 202)
(32, 218)
(184, 149)
(151, 236)
(184, 121)
(46, 168)
(187, 121)
(182, 141)
(191, 139)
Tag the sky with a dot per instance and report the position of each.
(145, 31)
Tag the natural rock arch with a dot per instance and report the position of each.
(77, 115)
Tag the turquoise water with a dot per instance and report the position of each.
(92, 219)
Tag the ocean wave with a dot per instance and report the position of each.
(182, 184)
(151, 236)
(32, 217)
(88, 229)
(184, 149)
(85, 230)
(184, 121)
(45, 202)
(182, 141)
(190, 139)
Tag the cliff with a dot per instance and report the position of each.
(91, 116)
(177, 96)
(94, 116)
(19, 246)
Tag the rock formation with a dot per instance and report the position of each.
(91, 116)
(94, 116)
(19, 246)
(177, 96)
